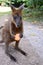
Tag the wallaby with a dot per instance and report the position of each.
(1, 27)
(13, 26)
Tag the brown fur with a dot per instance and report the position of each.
(6, 31)
(6, 36)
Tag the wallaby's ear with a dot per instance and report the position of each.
(21, 7)
(12, 7)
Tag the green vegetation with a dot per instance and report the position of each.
(33, 8)
(3, 13)
(33, 15)
(28, 3)
(32, 4)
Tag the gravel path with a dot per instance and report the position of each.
(35, 37)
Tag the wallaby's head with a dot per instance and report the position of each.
(17, 15)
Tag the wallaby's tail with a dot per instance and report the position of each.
(1, 41)
(1, 27)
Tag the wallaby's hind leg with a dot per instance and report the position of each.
(18, 49)
(8, 53)
(23, 52)
(7, 40)
(6, 48)
(17, 45)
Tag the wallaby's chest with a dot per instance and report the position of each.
(15, 30)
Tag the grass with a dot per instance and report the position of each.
(33, 15)
(3, 13)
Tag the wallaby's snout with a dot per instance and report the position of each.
(17, 20)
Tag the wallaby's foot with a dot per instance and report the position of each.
(11, 57)
(18, 49)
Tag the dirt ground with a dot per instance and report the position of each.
(29, 43)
